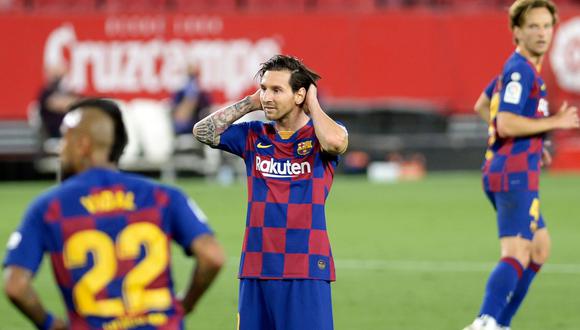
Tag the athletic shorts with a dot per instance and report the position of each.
(284, 305)
(518, 213)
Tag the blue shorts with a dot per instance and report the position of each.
(518, 213)
(284, 305)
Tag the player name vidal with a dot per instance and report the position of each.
(109, 201)
(285, 169)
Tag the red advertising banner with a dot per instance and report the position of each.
(445, 58)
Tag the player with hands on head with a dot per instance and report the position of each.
(286, 265)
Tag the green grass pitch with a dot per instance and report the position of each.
(411, 255)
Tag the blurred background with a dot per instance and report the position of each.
(402, 75)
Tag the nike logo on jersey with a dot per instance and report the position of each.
(263, 146)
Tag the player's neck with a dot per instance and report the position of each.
(293, 121)
(96, 160)
(109, 166)
(536, 60)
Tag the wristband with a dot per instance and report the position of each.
(48, 321)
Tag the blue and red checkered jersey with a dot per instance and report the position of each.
(288, 183)
(108, 236)
(513, 164)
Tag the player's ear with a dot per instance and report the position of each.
(299, 96)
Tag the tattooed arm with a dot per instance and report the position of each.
(209, 129)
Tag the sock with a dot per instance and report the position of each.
(505, 317)
(500, 286)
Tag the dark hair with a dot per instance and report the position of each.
(112, 110)
(300, 75)
(520, 8)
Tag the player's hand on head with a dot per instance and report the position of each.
(568, 117)
(255, 100)
(311, 99)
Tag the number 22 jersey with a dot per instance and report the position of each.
(108, 236)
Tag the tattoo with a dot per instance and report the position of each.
(208, 130)
(204, 131)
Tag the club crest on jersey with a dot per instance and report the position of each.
(304, 148)
(543, 107)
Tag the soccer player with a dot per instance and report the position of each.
(286, 265)
(516, 109)
(108, 237)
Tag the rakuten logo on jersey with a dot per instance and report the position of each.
(275, 169)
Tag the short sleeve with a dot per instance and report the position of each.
(488, 91)
(330, 158)
(25, 246)
(517, 83)
(187, 220)
(233, 140)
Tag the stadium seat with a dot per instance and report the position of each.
(12, 5)
(272, 5)
(471, 3)
(42, 5)
(347, 5)
(204, 5)
(64, 5)
(134, 6)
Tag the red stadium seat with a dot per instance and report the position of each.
(64, 5)
(84, 5)
(204, 5)
(285, 5)
(12, 5)
(461, 3)
(134, 6)
(347, 5)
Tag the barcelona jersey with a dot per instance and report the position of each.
(108, 236)
(288, 183)
(513, 164)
